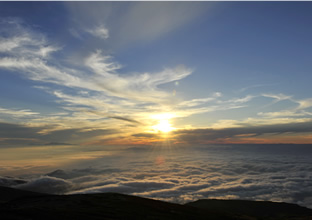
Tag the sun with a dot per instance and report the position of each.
(164, 124)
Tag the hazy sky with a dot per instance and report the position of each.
(75, 75)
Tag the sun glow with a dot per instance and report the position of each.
(164, 124)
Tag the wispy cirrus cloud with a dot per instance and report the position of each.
(21, 40)
(211, 104)
(277, 97)
(304, 103)
(132, 86)
(285, 113)
(96, 94)
(99, 31)
(18, 113)
(103, 77)
(135, 22)
(299, 107)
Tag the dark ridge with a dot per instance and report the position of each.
(258, 209)
(7, 194)
(22, 205)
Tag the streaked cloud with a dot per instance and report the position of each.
(210, 104)
(285, 113)
(139, 21)
(22, 41)
(133, 86)
(246, 133)
(257, 86)
(101, 89)
(17, 113)
(96, 95)
(305, 103)
(23, 135)
(105, 79)
(277, 97)
(299, 108)
(99, 31)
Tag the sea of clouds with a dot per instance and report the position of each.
(280, 173)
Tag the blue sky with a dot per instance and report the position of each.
(140, 73)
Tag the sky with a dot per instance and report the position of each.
(76, 77)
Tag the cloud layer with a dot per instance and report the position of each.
(254, 172)
(245, 133)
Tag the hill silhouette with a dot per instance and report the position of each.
(22, 205)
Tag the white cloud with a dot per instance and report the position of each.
(99, 31)
(102, 65)
(298, 110)
(217, 94)
(75, 33)
(22, 41)
(38, 70)
(135, 85)
(135, 21)
(210, 104)
(285, 113)
(127, 187)
(32, 64)
(196, 102)
(149, 20)
(257, 86)
(45, 51)
(7, 45)
(18, 113)
(46, 184)
(278, 97)
(304, 103)
(242, 100)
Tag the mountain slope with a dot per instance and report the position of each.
(8, 194)
(99, 206)
(24, 205)
(257, 209)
